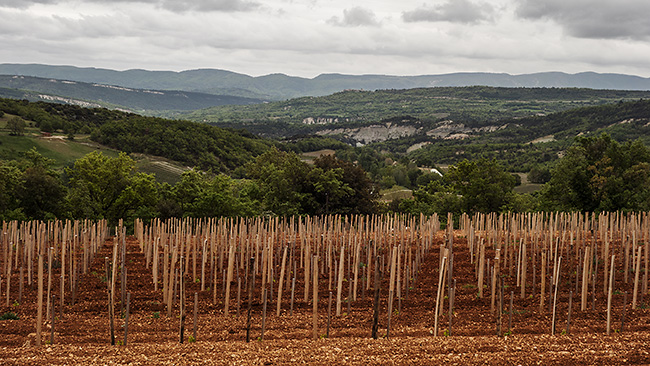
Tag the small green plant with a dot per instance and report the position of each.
(197, 280)
(508, 333)
(156, 314)
(191, 339)
(563, 332)
(446, 333)
(16, 304)
(323, 336)
(120, 343)
(9, 316)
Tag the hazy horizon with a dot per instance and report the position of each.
(316, 37)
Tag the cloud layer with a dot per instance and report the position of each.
(597, 19)
(173, 5)
(307, 38)
(455, 11)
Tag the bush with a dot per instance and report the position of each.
(9, 316)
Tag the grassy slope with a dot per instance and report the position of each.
(63, 151)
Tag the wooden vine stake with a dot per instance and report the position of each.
(375, 316)
(196, 312)
(568, 320)
(609, 296)
(52, 317)
(636, 278)
(50, 254)
(126, 317)
(556, 284)
(585, 279)
(281, 282)
(543, 281)
(315, 299)
(111, 297)
(39, 316)
(339, 286)
(181, 291)
(391, 288)
(441, 279)
(329, 315)
(481, 268)
(250, 284)
(264, 298)
(231, 265)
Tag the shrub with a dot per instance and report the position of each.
(9, 316)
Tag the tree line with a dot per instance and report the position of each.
(596, 174)
(100, 187)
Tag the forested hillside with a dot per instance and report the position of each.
(593, 158)
(521, 145)
(191, 143)
(474, 106)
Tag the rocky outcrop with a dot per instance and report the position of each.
(372, 133)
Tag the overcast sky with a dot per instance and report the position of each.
(307, 38)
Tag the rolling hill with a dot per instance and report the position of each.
(280, 86)
(144, 101)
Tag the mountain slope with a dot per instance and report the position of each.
(280, 86)
(345, 112)
(96, 95)
(190, 143)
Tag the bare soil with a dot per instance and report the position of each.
(82, 332)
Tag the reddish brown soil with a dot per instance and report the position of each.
(82, 334)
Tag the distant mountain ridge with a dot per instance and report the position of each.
(145, 101)
(281, 86)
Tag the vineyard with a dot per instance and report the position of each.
(496, 288)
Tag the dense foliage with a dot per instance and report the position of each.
(476, 105)
(97, 186)
(594, 173)
(194, 144)
(600, 174)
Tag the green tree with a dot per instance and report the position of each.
(483, 185)
(329, 186)
(42, 194)
(202, 194)
(104, 187)
(16, 126)
(283, 183)
(599, 174)
(356, 193)
(435, 197)
(10, 178)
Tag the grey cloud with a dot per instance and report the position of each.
(455, 11)
(22, 4)
(597, 19)
(209, 5)
(356, 17)
(172, 5)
